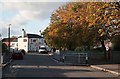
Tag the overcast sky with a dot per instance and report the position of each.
(31, 15)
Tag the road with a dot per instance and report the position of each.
(40, 65)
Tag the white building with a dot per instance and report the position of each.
(30, 42)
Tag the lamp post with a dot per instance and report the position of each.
(9, 37)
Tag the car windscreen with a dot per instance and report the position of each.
(42, 48)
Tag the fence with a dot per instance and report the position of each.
(88, 57)
(75, 58)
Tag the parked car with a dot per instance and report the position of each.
(17, 55)
(43, 50)
(23, 51)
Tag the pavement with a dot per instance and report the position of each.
(7, 63)
(111, 68)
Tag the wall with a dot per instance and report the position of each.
(115, 56)
(33, 44)
(22, 44)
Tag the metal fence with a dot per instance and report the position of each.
(75, 58)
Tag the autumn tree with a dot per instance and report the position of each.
(83, 24)
(107, 21)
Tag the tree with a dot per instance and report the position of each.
(107, 20)
(4, 48)
(66, 25)
(82, 24)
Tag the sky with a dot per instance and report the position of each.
(31, 15)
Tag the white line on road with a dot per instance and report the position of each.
(52, 67)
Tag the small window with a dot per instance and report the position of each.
(24, 40)
(34, 40)
(13, 44)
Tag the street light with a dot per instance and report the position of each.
(9, 37)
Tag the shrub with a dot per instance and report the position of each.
(77, 49)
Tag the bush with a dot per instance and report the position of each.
(116, 47)
(77, 49)
(4, 48)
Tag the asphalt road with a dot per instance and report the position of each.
(39, 65)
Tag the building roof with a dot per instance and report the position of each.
(32, 36)
(11, 40)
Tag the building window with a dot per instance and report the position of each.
(34, 40)
(13, 44)
(40, 43)
(24, 40)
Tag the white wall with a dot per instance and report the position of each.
(41, 41)
(14, 45)
(22, 44)
(30, 45)
(34, 45)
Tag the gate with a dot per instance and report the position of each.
(75, 58)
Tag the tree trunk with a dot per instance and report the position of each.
(104, 49)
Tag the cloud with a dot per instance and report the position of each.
(60, 0)
(24, 13)
(38, 0)
(13, 32)
(28, 11)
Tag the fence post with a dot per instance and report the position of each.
(78, 58)
(86, 59)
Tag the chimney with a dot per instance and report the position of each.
(41, 33)
(23, 33)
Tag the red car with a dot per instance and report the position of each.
(23, 51)
(17, 55)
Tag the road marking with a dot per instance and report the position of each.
(58, 61)
(52, 67)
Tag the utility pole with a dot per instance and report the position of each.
(9, 37)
